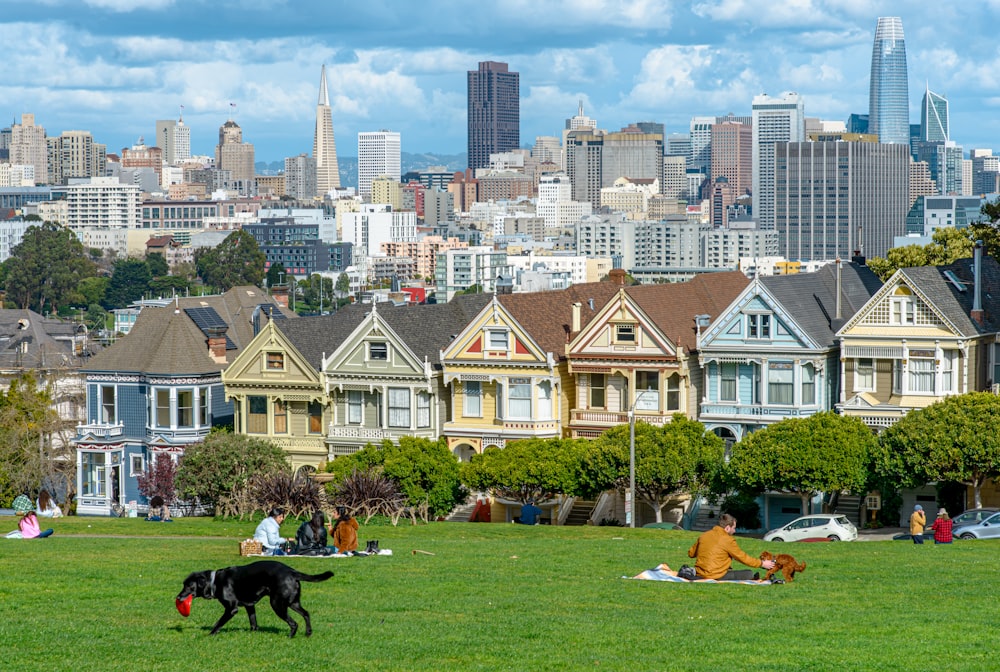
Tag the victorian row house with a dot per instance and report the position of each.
(160, 389)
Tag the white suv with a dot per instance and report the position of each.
(832, 526)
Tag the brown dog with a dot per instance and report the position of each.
(785, 563)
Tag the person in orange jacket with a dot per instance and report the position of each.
(715, 550)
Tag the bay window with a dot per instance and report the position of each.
(355, 406)
(545, 400)
(647, 390)
(598, 390)
(399, 407)
(727, 386)
(808, 385)
(423, 410)
(472, 399)
(519, 399)
(780, 383)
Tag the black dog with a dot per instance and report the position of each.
(244, 586)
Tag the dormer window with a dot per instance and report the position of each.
(378, 352)
(625, 333)
(759, 326)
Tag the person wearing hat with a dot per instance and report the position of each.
(27, 526)
(942, 527)
(917, 522)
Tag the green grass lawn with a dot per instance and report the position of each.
(100, 594)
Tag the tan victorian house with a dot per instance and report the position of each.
(929, 333)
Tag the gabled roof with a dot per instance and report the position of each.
(673, 306)
(167, 341)
(29, 341)
(425, 329)
(548, 316)
(810, 299)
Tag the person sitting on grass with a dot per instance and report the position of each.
(345, 532)
(310, 539)
(46, 506)
(715, 550)
(27, 526)
(530, 514)
(268, 533)
(158, 512)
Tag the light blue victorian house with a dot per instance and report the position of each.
(773, 355)
(159, 389)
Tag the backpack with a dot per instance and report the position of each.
(687, 572)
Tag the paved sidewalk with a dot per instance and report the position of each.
(881, 534)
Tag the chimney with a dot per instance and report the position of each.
(617, 276)
(217, 344)
(576, 316)
(840, 286)
(977, 314)
(280, 295)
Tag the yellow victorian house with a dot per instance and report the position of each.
(507, 369)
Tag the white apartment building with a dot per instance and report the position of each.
(174, 138)
(375, 224)
(724, 247)
(630, 196)
(378, 155)
(11, 235)
(675, 183)
(555, 202)
(460, 269)
(102, 203)
(572, 264)
(17, 175)
(300, 176)
(28, 146)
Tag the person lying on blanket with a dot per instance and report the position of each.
(715, 550)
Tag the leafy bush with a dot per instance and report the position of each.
(368, 493)
(218, 470)
(158, 479)
(298, 494)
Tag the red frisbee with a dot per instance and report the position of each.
(184, 606)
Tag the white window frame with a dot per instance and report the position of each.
(780, 379)
(355, 402)
(497, 340)
(902, 311)
(103, 416)
(759, 326)
(808, 385)
(627, 334)
(423, 410)
(400, 413)
(592, 387)
(519, 399)
(860, 376)
(732, 381)
(545, 400)
(136, 464)
(191, 409)
(383, 356)
(162, 416)
(920, 375)
(472, 390)
(948, 377)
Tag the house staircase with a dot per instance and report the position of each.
(706, 517)
(581, 512)
(462, 512)
(850, 506)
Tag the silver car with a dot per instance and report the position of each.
(832, 526)
(988, 528)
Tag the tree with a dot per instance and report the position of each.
(824, 452)
(948, 245)
(237, 260)
(276, 274)
(678, 458)
(529, 469)
(45, 268)
(957, 439)
(129, 282)
(343, 286)
(425, 471)
(157, 264)
(158, 479)
(28, 454)
(317, 293)
(218, 470)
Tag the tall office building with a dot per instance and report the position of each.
(378, 156)
(28, 147)
(934, 117)
(174, 138)
(888, 98)
(74, 154)
(237, 157)
(732, 155)
(780, 119)
(494, 112)
(834, 198)
(701, 143)
(300, 177)
(596, 160)
(945, 160)
(324, 143)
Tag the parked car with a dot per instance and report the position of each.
(988, 528)
(972, 516)
(832, 526)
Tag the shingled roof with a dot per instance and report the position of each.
(548, 316)
(426, 329)
(166, 341)
(673, 306)
(955, 303)
(30, 341)
(811, 298)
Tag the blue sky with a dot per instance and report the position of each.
(115, 66)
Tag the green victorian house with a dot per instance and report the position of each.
(326, 386)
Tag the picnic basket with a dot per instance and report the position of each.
(250, 547)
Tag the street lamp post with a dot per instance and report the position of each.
(630, 497)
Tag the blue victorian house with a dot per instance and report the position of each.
(774, 354)
(159, 389)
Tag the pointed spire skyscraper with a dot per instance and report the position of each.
(324, 144)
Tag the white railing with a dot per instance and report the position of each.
(101, 430)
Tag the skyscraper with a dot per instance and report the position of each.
(494, 115)
(934, 117)
(28, 147)
(888, 98)
(324, 144)
(378, 155)
(237, 157)
(780, 119)
(174, 138)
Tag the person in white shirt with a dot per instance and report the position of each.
(268, 533)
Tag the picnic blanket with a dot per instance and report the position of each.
(360, 554)
(663, 572)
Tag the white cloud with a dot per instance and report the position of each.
(129, 5)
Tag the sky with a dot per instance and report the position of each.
(113, 67)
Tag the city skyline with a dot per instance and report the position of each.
(120, 67)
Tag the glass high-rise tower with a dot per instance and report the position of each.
(934, 117)
(888, 100)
